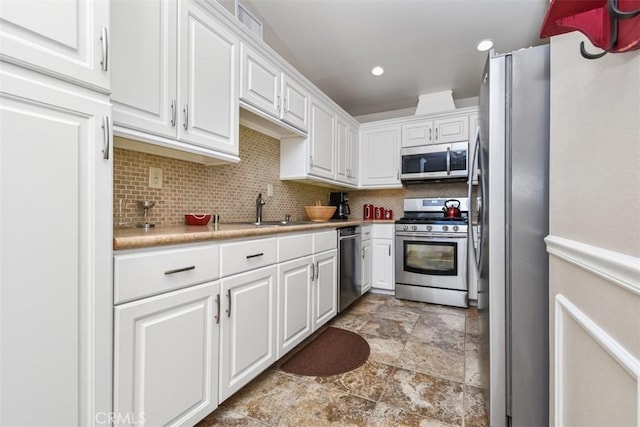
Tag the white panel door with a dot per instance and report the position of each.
(382, 261)
(248, 344)
(380, 156)
(295, 103)
(352, 165)
(342, 151)
(208, 82)
(55, 246)
(322, 140)
(453, 129)
(259, 81)
(295, 293)
(166, 357)
(144, 66)
(326, 288)
(66, 39)
(419, 133)
(366, 265)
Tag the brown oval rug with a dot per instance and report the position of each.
(335, 351)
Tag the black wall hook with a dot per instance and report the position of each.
(615, 15)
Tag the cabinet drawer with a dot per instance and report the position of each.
(366, 232)
(246, 255)
(382, 231)
(154, 272)
(325, 241)
(296, 246)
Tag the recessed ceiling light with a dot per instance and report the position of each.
(377, 70)
(485, 45)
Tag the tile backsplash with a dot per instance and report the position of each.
(231, 190)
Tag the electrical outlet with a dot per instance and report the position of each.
(269, 190)
(155, 177)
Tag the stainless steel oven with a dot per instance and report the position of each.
(431, 253)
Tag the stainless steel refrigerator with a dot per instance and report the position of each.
(512, 147)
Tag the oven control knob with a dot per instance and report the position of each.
(429, 227)
(445, 227)
(414, 227)
(405, 227)
(455, 228)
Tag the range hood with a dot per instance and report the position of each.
(437, 102)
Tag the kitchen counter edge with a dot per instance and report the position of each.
(135, 238)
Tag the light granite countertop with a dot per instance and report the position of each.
(132, 237)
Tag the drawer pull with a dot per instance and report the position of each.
(255, 255)
(229, 297)
(179, 270)
(217, 316)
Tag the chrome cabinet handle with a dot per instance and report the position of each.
(105, 49)
(255, 255)
(186, 116)
(173, 113)
(179, 270)
(217, 316)
(106, 127)
(313, 272)
(436, 134)
(429, 134)
(448, 161)
(317, 270)
(389, 250)
(364, 251)
(278, 103)
(229, 298)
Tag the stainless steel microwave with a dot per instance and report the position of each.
(437, 161)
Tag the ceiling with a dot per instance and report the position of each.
(425, 46)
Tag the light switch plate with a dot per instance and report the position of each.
(155, 177)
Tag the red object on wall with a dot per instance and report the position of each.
(593, 19)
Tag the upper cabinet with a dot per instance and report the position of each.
(175, 76)
(68, 40)
(274, 92)
(322, 136)
(346, 152)
(380, 156)
(435, 131)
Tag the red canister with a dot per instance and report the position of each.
(378, 212)
(388, 214)
(367, 213)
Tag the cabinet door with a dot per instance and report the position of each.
(295, 103)
(342, 151)
(366, 265)
(322, 140)
(259, 81)
(415, 134)
(144, 78)
(352, 165)
(55, 296)
(66, 39)
(208, 82)
(248, 344)
(166, 357)
(382, 260)
(453, 129)
(326, 288)
(295, 293)
(380, 156)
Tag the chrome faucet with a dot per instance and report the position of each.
(259, 204)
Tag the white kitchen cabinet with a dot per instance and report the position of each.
(274, 92)
(325, 299)
(295, 303)
(68, 40)
(56, 292)
(248, 327)
(435, 131)
(366, 265)
(175, 77)
(346, 152)
(322, 136)
(382, 257)
(166, 357)
(380, 156)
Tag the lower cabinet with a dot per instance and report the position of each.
(166, 357)
(325, 293)
(248, 327)
(366, 265)
(295, 305)
(382, 257)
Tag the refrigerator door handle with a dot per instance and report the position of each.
(474, 250)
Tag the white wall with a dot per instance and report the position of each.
(594, 236)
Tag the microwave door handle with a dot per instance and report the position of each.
(448, 160)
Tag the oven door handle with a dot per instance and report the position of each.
(426, 236)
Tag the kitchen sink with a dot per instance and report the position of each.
(273, 223)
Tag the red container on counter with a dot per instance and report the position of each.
(367, 212)
(378, 212)
(388, 214)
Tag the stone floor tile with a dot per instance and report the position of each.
(475, 413)
(350, 321)
(388, 328)
(266, 397)
(399, 313)
(437, 336)
(411, 305)
(323, 406)
(443, 321)
(425, 395)
(384, 350)
(223, 417)
(432, 360)
(368, 381)
(444, 309)
(390, 416)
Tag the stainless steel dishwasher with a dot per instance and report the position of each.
(350, 266)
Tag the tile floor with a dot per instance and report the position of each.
(422, 371)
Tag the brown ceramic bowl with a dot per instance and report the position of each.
(320, 213)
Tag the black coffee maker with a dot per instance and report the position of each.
(339, 200)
